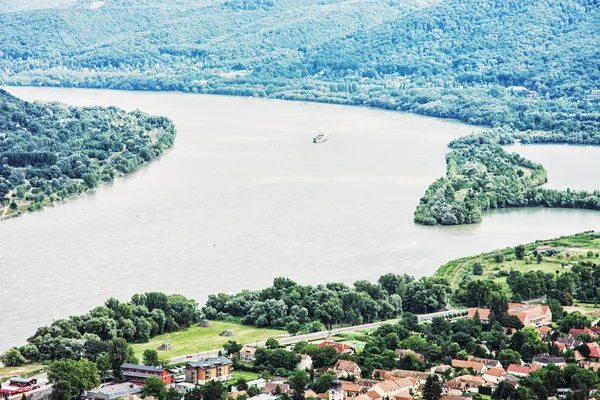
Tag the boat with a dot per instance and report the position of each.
(320, 138)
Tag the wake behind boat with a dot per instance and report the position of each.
(320, 138)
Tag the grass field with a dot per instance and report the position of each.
(196, 339)
(25, 370)
(570, 248)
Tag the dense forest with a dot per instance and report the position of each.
(53, 151)
(480, 176)
(483, 62)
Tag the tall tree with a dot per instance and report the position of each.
(433, 388)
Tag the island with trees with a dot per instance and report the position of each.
(51, 151)
(481, 175)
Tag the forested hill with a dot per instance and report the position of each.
(526, 64)
(53, 151)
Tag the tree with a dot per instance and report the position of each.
(104, 366)
(478, 268)
(507, 357)
(232, 347)
(293, 327)
(12, 358)
(119, 352)
(75, 376)
(212, 390)
(520, 251)
(433, 388)
(150, 357)
(271, 343)
(298, 382)
(498, 257)
(156, 387)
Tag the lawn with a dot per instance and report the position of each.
(8, 372)
(196, 339)
(247, 375)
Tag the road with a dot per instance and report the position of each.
(287, 340)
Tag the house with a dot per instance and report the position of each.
(593, 332)
(305, 362)
(447, 397)
(139, 373)
(419, 376)
(311, 394)
(247, 354)
(477, 367)
(494, 375)
(546, 359)
(440, 369)
(381, 374)
(112, 392)
(340, 348)
(578, 356)
(521, 371)
(594, 366)
(402, 352)
(594, 350)
(529, 314)
(461, 384)
(488, 362)
(272, 388)
(569, 342)
(216, 368)
(257, 383)
(343, 368)
(350, 389)
(393, 387)
(543, 331)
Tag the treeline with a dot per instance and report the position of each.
(287, 302)
(89, 335)
(52, 151)
(481, 176)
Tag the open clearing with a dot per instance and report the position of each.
(196, 339)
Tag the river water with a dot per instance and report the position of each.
(245, 196)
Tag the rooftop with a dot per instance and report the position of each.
(211, 362)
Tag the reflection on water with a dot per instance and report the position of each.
(243, 197)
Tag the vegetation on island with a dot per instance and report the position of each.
(50, 151)
(481, 175)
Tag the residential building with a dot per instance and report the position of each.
(305, 362)
(340, 348)
(569, 342)
(112, 392)
(343, 368)
(594, 350)
(477, 367)
(247, 354)
(494, 375)
(257, 383)
(488, 362)
(216, 368)
(272, 388)
(22, 382)
(381, 374)
(529, 314)
(594, 366)
(546, 359)
(462, 384)
(402, 352)
(139, 373)
(419, 376)
(350, 389)
(593, 332)
(521, 371)
(393, 387)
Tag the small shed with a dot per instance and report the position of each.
(166, 346)
(227, 332)
(206, 324)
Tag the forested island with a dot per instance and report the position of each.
(51, 151)
(480, 176)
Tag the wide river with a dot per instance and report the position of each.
(245, 196)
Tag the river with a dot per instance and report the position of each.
(245, 196)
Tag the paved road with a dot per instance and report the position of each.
(286, 340)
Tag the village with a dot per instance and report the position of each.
(480, 375)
